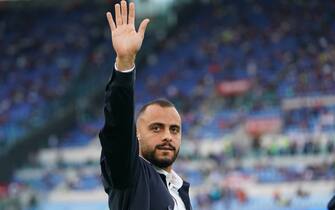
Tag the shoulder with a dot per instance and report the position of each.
(146, 165)
(148, 169)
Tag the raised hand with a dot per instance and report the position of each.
(126, 41)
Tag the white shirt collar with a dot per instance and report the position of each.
(171, 178)
(174, 183)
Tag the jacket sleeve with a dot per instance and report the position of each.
(118, 136)
(331, 204)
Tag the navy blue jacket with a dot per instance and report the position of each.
(331, 204)
(130, 181)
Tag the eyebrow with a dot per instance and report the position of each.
(162, 124)
(156, 123)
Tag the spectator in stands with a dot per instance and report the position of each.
(131, 181)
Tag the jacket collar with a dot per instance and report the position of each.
(184, 195)
(172, 177)
(183, 192)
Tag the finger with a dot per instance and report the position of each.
(110, 21)
(124, 11)
(118, 15)
(143, 27)
(131, 19)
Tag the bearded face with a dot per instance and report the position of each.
(162, 156)
(159, 135)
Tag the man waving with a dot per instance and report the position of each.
(137, 155)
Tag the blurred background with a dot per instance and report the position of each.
(254, 82)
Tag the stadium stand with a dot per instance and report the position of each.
(254, 80)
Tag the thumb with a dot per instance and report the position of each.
(143, 27)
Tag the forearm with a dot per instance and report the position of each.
(118, 134)
(118, 110)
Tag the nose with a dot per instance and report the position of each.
(167, 136)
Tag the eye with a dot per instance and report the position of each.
(156, 128)
(175, 130)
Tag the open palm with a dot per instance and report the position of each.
(126, 41)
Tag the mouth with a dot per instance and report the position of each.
(165, 147)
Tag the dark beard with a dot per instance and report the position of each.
(161, 163)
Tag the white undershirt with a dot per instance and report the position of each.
(174, 183)
(124, 71)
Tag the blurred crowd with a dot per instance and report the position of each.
(278, 50)
(232, 61)
(40, 58)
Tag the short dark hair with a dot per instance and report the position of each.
(162, 102)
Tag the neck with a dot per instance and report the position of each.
(168, 169)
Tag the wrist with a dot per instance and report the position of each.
(125, 63)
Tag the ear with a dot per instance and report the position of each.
(138, 134)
